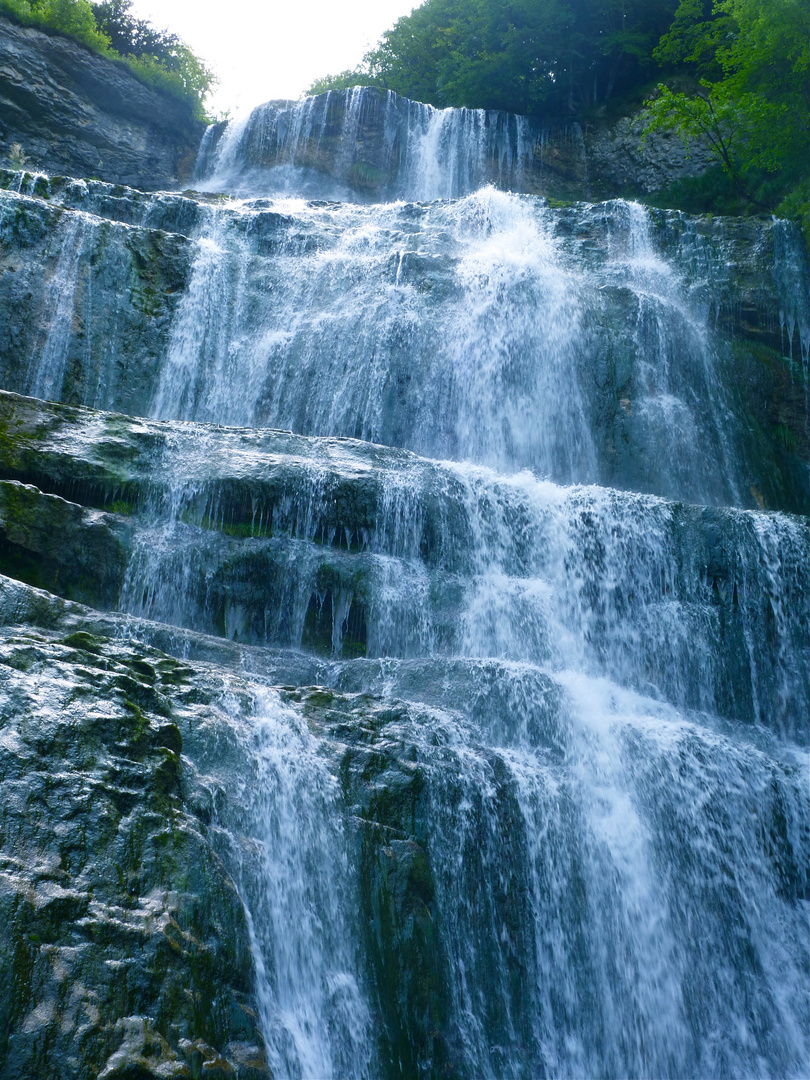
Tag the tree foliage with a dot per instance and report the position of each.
(750, 98)
(556, 57)
(158, 58)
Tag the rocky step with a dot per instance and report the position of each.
(104, 284)
(347, 549)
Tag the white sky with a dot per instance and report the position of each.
(263, 49)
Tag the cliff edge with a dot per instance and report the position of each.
(78, 113)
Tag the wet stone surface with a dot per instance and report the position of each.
(129, 951)
(422, 687)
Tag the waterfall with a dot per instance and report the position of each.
(295, 883)
(497, 469)
(584, 367)
(47, 370)
(362, 143)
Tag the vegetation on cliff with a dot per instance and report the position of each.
(736, 77)
(158, 58)
(524, 56)
(746, 94)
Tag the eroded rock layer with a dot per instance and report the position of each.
(598, 344)
(369, 145)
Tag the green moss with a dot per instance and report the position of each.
(241, 529)
(141, 725)
(169, 738)
(84, 641)
(364, 175)
(173, 673)
(763, 354)
(320, 698)
(144, 670)
(23, 565)
(786, 438)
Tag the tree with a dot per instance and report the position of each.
(551, 57)
(750, 102)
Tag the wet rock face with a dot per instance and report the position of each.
(116, 313)
(621, 161)
(75, 112)
(349, 550)
(372, 145)
(123, 880)
(129, 954)
(643, 349)
(391, 741)
(145, 849)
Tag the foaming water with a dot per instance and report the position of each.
(467, 330)
(47, 370)
(707, 609)
(602, 884)
(286, 836)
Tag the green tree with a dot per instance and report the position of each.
(73, 17)
(555, 57)
(750, 100)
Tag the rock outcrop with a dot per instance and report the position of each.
(129, 953)
(110, 297)
(75, 112)
(271, 539)
(621, 161)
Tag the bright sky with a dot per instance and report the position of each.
(263, 49)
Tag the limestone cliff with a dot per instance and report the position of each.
(404, 608)
(369, 145)
(77, 113)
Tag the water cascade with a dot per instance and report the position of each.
(365, 144)
(518, 578)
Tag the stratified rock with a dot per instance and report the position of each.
(177, 838)
(370, 145)
(73, 111)
(126, 951)
(645, 349)
(346, 549)
(621, 161)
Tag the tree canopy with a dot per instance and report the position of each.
(555, 57)
(750, 93)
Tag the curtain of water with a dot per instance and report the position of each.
(605, 690)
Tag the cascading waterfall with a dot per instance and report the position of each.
(47, 371)
(407, 150)
(300, 898)
(331, 325)
(512, 504)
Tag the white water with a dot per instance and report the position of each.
(285, 832)
(605, 689)
(407, 150)
(47, 369)
(465, 329)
